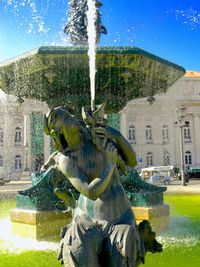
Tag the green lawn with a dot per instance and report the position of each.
(30, 259)
(181, 241)
(185, 205)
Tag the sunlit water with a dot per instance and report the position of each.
(14, 244)
(183, 232)
(180, 234)
(36, 23)
(188, 17)
(181, 241)
(91, 29)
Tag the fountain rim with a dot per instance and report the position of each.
(101, 50)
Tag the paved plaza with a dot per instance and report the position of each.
(9, 190)
(193, 187)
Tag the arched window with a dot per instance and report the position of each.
(1, 161)
(166, 158)
(18, 135)
(131, 134)
(148, 134)
(1, 136)
(149, 159)
(165, 134)
(187, 132)
(188, 158)
(18, 163)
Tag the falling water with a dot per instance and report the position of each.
(14, 244)
(91, 29)
(189, 17)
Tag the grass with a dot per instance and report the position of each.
(182, 256)
(29, 258)
(181, 242)
(185, 205)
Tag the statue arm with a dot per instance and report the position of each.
(50, 162)
(125, 149)
(79, 180)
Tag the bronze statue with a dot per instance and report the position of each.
(103, 231)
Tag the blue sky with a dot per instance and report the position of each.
(167, 28)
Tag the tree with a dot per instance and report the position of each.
(76, 26)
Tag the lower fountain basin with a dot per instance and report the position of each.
(181, 241)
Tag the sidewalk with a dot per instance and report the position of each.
(189, 189)
(192, 188)
(10, 189)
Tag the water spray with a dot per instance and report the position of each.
(92, 36)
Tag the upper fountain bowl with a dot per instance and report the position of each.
(60, 75)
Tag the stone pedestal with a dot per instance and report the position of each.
(46, 225)
(25, 176)
(39, 225)
(158, 216)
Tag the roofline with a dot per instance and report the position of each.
(192, 74)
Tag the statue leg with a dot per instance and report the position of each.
(110, 255)
(127, 245)
(81, 244)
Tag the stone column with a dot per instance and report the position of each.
(47, 147)
(123, 123)
(197, 139)
(27, 148)
(8, 145)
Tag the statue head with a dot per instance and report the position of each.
(63, 127)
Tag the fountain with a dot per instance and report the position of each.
(125, 66)
(122, 73)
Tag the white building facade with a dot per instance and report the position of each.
(154, 129)
(16, 137)
(150, 128)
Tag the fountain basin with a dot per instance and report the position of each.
(181, 240)
(38, 225)
(60, 75)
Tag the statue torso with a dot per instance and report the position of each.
(113, 204)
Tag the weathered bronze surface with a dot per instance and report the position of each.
(50, 191)
(88, 161)
(103, 231)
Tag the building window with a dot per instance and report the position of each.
(18, 163)
(131, 134)
(188, 158)
(166, 158)
(1, 136)
(1, 161)
(149, 159)
(165, 134)
(187, 132)
(18, 135)
(148, 132)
